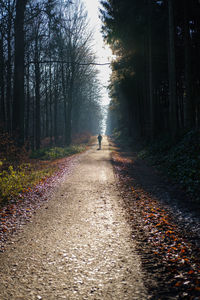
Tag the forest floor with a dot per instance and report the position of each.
(106, 227)
(165, 225)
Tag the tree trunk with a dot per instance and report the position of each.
(65, 121)
(27, 101)
(150, 69)
(33, 125)
(50, 104)
(69, 118)
(55, 119)
(46, 107)
(50, 84)
(2, 87)
(55, 110)
(64, 83)
(18, 97)
(37, 97)
(68, 128)
(189, 105)
(172, 72)
(9, 74)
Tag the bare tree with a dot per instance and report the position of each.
(18, 97)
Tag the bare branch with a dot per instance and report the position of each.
(68, 62)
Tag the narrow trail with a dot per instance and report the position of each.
(78, 245)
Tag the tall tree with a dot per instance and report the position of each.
(10, 12)
(37, 91)
(151, 77)
(172, 71)
(2, 85)
(18, 97)
(189, 107)
(150, 64)
(57, 41)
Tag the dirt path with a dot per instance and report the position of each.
(78, 245)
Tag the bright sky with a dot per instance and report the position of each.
(103, 52)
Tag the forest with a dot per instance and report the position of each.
(99, 201)
(155, 83)
(50, 92)
(49, 89)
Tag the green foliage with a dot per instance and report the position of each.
(57, 152)
(13, 182)
(122, 137)
(157, 150)
(16, 178)
(181, 161)
(117, 134)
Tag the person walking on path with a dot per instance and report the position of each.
(99, 140)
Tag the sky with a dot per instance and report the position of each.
(102, 51)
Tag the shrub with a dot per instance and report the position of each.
(13, 182)
(181, 161)
(57, 152)
(16, 177)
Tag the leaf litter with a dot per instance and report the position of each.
(169, 254)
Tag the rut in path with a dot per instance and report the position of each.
(78, 245)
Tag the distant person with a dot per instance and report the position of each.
(99, 140)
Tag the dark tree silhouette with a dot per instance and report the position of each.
(155, 81)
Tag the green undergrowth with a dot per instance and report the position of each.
(180, 160)
(17, 177)
(57, 152)
(22, 178)
(122, 137)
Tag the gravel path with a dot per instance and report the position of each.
(78, 245)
